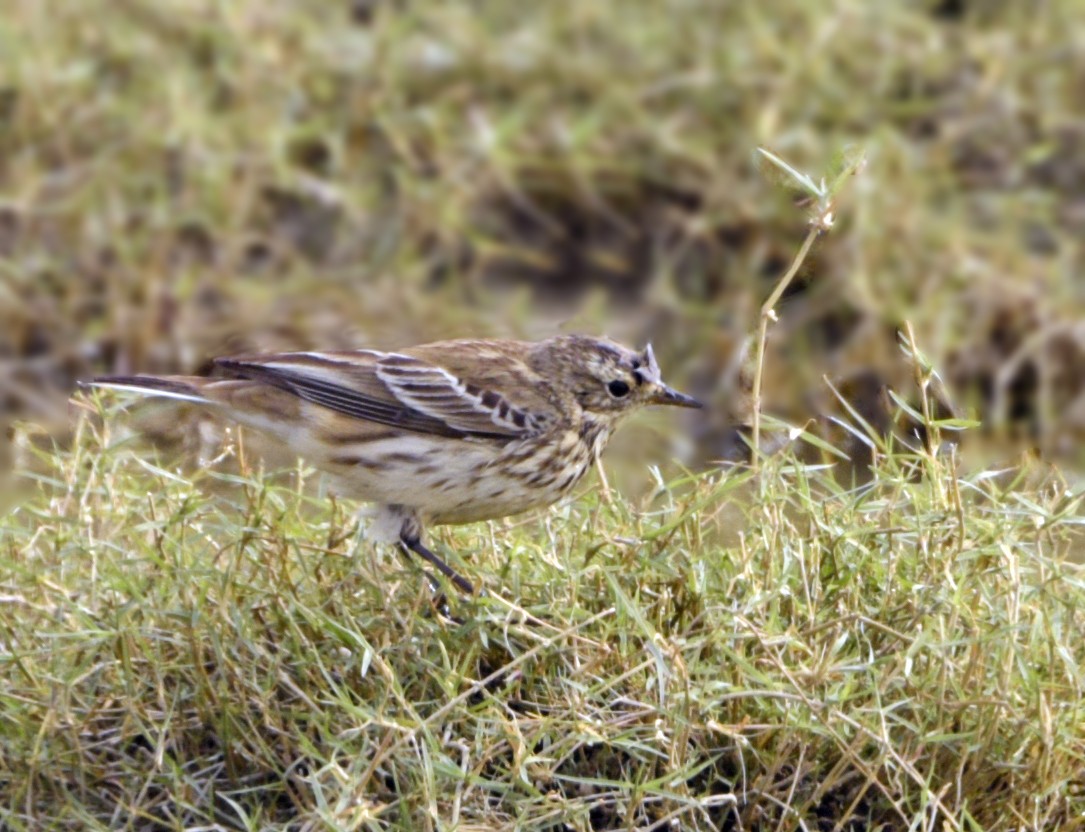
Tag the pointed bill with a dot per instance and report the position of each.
(668, 395)
(663, 394)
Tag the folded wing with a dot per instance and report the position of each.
(391, 389)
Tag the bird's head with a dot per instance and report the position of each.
(607, 378)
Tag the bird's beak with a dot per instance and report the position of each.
(667, 395)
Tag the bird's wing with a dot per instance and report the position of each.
(390, 389)
(458, 403)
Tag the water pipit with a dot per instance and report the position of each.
(449, 432)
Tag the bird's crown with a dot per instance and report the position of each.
(606, 377)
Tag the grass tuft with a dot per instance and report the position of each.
(189, 649)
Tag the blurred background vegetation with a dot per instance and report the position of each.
(185, 179)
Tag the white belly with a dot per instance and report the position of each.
(449, 481)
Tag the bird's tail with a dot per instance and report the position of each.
(183, 388)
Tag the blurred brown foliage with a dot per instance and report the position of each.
(185, 179)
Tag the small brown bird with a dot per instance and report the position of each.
(449, 432)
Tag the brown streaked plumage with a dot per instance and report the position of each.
(449, 432)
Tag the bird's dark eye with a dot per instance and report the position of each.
(618, 388)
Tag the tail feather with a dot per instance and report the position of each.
(170, 387)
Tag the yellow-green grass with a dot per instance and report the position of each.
(186, 648)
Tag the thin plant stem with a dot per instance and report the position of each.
(768, 314)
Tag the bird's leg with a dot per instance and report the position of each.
(431, 579)
(413, 543)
